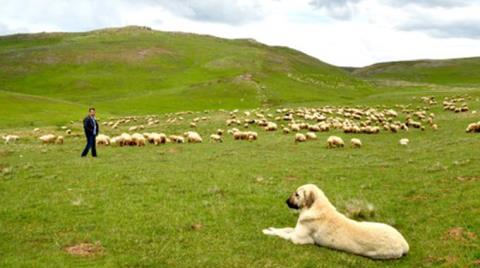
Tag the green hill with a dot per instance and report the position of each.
(136, 70)
(453, 72)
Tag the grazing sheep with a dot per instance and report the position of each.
(216, 138)
(473, 127)
(10, 138)
(286, 130)
(176, 139)
(193, 137)
(240, 135)
(314, 128)
(157, 138)
(68, 131)
(59, 140)
(138, 139)
(233, 122)
(193, 125)
(334, 142)
(220, 132)
(356, 143)
(36, 129)
(133, 128)
(125, 139)
(252, 136)
(404, 142)
(48, 139)
(295, 127)
(271, 126)
(102, 139)
(299, 137)
(245, 135)
(117, 140)
(311, 136)
(232, 131)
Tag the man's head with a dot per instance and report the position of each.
(91, 111)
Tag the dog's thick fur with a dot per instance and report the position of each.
(320, 223)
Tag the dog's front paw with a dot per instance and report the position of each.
(269, 231)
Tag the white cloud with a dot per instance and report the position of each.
(339, 9)
(342, 32)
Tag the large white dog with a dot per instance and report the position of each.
(320, 223)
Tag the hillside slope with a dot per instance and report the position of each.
(137, 70)
(453, 72)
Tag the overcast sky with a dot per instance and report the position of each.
(340, 32)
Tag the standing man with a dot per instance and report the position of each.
(90, 126)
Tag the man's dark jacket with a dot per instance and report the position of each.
(88, 125)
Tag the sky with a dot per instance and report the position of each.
(340, 32)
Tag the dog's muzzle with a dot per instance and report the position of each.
(291, 204)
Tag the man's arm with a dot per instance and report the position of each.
(86, 125)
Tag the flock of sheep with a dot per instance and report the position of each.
(303, 122)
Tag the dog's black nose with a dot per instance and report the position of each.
(291, 204)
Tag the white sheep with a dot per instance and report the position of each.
(404, 141)
(232, 131)
(271, 126)
(59, 140)
(252, 136)
(473, 127)
(176, 139)
(10, 138)
(311, 136)
(48, 138)
(125, 139)
(216, 138)
(239, 135)
(299, 137)
(356, 143)
(334, 142)
(117, 140)
(102, 139)
(295, 127)
(158, 138)
(138, 139)
(193, 137)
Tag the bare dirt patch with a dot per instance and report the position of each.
(459, 234)
(196, 226)
(85, 249)
(445, 261)
(468, 178)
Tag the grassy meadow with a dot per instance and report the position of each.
(205, 205)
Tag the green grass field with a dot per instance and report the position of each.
(136, 70)
(205, 205)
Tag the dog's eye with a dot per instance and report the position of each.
(297, 195)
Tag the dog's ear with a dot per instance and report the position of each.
(309, 199)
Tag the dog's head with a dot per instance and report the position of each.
(304, 197)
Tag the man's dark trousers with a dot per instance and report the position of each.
(90, 145)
